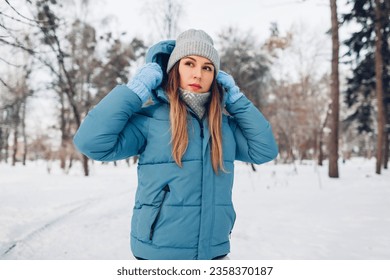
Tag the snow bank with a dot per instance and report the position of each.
(283, 212)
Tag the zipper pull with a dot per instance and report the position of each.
(166, 188)
(151, 234)
(201, 130)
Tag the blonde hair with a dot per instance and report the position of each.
(178, 119)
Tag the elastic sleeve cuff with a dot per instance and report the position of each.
(140, 89)
(234, 95)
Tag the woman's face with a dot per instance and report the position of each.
(196, 73)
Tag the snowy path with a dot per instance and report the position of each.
(281, 213)
(42, 232)
(64, 217)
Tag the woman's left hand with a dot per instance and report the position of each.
(147, 78)
(229, 85)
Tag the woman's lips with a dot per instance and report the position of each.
(195, 86)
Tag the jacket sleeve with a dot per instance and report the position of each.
(112, 130)
(253, 133)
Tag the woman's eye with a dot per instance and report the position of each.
(189, 63)
(208, 68)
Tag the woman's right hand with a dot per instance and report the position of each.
(147, 78)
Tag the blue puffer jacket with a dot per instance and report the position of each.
(179, 213)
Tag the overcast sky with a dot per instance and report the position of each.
(214, 15)
(210, 15)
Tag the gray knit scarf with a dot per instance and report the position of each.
(196, 101)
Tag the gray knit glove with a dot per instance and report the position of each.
(233, 93)
(147, 78)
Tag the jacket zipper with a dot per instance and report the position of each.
(199, 121)
(201, 129)
(165, 191)
(202, 137)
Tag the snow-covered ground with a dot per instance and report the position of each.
(284, 212)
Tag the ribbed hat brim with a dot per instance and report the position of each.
(199, 48)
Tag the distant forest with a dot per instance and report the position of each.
(322, 115)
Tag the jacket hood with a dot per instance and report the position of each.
(160, 53)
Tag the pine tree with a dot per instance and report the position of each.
(362, 91)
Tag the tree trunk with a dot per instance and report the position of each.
(62, 151)
(1, 144)
(386, 95)
(24, 131)
(85, 165)
(320, 153)
(6, 146)
(386, 152)
(379, 86)
(335, 92)
(15, 147)
(321, 136)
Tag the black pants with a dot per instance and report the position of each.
(216, 258)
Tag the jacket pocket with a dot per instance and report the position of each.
(146, 216)
(165, 190)
(224, 220)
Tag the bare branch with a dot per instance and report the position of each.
(15, 19)
(9, 63)
(22, 16)
(4, 83)
(30, 51)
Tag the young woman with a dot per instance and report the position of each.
(186, 146)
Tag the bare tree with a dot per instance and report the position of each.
(78, 74)
(166, 15)
(299, 93)
(335, 89)
(246, 62)
(13, 101)
(50, 28)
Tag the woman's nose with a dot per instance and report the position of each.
(197, 72)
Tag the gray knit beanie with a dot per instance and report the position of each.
(194, 42)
